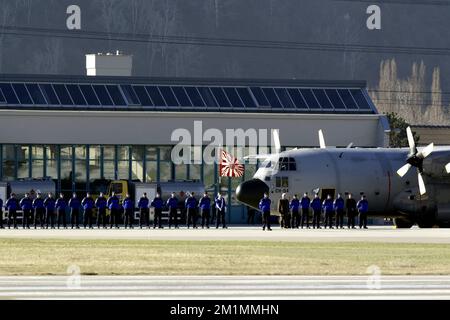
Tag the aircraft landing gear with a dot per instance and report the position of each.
(402, 223)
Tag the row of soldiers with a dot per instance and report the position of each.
(296, 213)
(51, 212)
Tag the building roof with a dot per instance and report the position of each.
(56, 92)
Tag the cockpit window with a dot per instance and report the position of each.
(287, 164)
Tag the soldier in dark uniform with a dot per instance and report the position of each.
(61, 206)
(264, 206)
(88, 206)
(157, 204)
(283, 209)
(221, 207)
(26, 203)
(74, 204)
(12, 205)
(205, 207)
(143, 205)
(351, 211)
(39, 209)
(49, 204)
(172, 204)
(191, 211)
(101, 204)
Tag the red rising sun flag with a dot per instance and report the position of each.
(229, 166)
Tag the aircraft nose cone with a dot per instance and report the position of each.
(250, 192)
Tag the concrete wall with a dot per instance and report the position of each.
(437, 135)
(115, 127)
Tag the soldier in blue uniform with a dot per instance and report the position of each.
(39, 209)
(49, 204)
(74, 204)
(61, 206)
(221, 207)
(1, 214)
(26, 203)
(101, 204)
(316, 206)
(128, 206)
(157, 204)
(264, 206)
(305, 204)
(191, 210)
(88, 206)
(205, 207)
(114, 207)
(172, 204)
(338, 206)
(143, 206)
(12, 204)
(328, 211)
(363, 208)
(295, 206)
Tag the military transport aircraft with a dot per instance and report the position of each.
(420, 196)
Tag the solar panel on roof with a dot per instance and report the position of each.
(259, 96)
(207, 96)
(169, 96)
(348, 99)
(322, 99)
(233, 97)
(63, 95)
(2, 97)
(102, 95)
(272, 98)
(49, 93)
(297, 98)
(182, 96)
(22, 93)
(90, 95)
(221, 98)
(36, 94)
(116, 95)
(156, 96)
(76, 94)
(246, 97)
(284, 98)
(358, 96)
(335, 99)
(310, 98)
(195, 97)
(143, 96)
(130, 95)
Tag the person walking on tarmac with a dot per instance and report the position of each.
(61, 205)
(101, 203)
(157, 204)
(114, 207)
(295, 206)
(305, 204)
(27, 206)
(12, 204)
(264, 206)
(74, 204)
(316, 206)
(191, 211)
(351, 211)
(128, 206)
(283, 209)
(172, 204)
(1, 214)
(221, 207)
(363, 208)
(49, 204)
(205, 207)
(328, 210)
(143, 205)
(39, 209)
(88, 206)
(338, 206)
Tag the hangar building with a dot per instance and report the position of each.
(78, 129)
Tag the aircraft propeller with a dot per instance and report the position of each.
(415, 159)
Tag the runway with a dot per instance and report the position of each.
(373, 234)
(226, 288)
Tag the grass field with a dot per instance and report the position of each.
(143, 257)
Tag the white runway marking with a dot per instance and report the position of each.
(225, 287)
(373, 234)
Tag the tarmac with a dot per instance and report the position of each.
(226, 287)
(243, 233)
